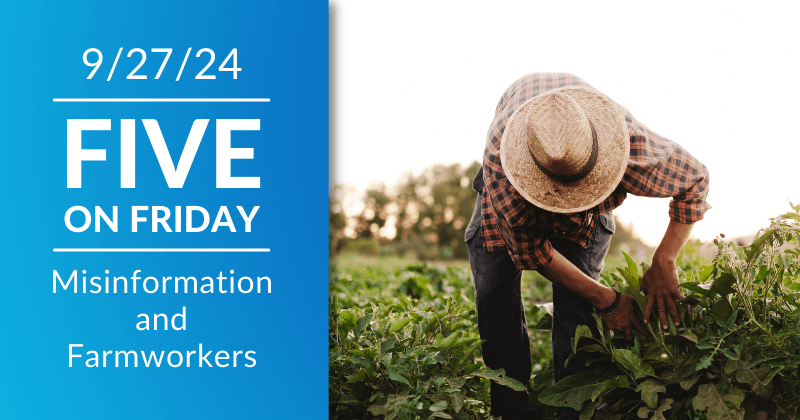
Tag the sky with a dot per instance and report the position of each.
(415, 83)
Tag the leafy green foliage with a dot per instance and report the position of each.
(573, 390)
(650, 389)
(410, 350)
(718, 405)
(736, 352)
(404, 343)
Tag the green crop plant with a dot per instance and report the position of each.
(404, 343)
(393, 357)
(735, 355)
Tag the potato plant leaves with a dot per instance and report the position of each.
(633, 363)
(398, 324)
(580, 332)
(400, 354)
(650, 389)
(719, 406)
(656, 414)
(361, 324)
(755, 377)
(500, 377)
(573, 390)
(724, 284)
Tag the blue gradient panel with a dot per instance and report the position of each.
(282, 52)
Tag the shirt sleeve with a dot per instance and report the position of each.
(529, 248)
(659, 167)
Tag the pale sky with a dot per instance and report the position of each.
(416, 83)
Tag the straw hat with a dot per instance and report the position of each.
(566, 150)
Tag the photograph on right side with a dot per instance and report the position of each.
(563, 211)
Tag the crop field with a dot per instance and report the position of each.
(404, 341)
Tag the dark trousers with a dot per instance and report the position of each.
(501, 315)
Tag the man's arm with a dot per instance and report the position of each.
(563, 273)
(660, 281)
(659, 167)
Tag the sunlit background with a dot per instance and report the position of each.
(415, 83)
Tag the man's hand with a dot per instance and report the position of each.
(564, 274)
(660, 281)
(624, 316)
(660, 284)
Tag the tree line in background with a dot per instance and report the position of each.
(422, 217)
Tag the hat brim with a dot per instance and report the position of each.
(569, 197)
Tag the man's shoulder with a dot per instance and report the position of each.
(533, 84)
(545, 81)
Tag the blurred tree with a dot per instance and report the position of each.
(434, 209)
(336, 220)
(425, 217)
(375, 213)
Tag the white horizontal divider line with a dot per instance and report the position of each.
(160, 249)
(161, 100)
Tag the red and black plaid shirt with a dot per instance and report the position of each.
(657, 167)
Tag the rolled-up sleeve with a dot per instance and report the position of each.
(659, 167)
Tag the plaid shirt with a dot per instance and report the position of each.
(657, 167)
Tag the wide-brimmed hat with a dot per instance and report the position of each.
(566, 150)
